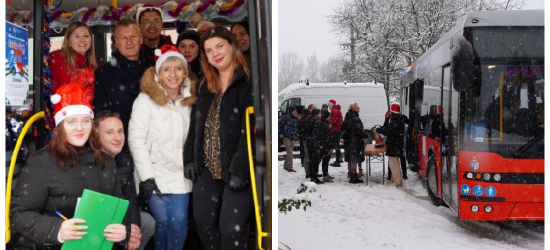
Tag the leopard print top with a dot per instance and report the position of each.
(212, 158)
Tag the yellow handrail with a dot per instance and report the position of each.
(12, 166)
(249, 111)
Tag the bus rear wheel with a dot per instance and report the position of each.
(431, 183)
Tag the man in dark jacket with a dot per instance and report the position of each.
(288, 130)
(335, 124)
(303, 131)
(118, 82)
(111, 134)
(315, 144)
(433, 125)
(150, 23)
(394, 143)
(402, 158)
(354, 141)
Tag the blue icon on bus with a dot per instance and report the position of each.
(491, 191)
(465, 189)
(477, 190)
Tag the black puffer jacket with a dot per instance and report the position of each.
(233, 145)
(117, 85)
(353, 133)
(125, 171)
(394, 132)
(43, 189)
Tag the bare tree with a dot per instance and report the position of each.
(290, 69)
(388, 35)
(312, 69)
(332, 70)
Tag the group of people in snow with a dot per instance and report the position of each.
(161, 125)
(320, 132)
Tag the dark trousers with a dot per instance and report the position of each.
(314, 165)
(221, 213)
(302, 151)
(326, 160)
(403, 161)
(338, 153)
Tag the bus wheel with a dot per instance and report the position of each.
(431, 183)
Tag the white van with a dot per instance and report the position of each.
(370, 97)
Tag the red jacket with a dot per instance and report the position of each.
(63, 74)
(336, 118)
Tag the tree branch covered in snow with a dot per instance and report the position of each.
(386, 36)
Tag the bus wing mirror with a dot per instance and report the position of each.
(462, 63)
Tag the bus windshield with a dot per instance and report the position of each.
(506, 110)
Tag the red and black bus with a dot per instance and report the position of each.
(485, 77)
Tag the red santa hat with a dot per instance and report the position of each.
(72, 99)
(331, 103)
(166, 51)
(395, 108)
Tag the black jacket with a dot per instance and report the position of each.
(394, 132)
(125, 172)
(43, 189)
(117, 86)
(233, 145)
(438, 127)
(302, 125)
(353, 133)
(317, 142)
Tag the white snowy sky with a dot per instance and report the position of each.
(307, 32)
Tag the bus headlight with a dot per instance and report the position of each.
(475, 208)
(486, 176)
(470, 175)
(497, 177)
(488, 209)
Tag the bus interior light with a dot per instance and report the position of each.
(488, 209)
(486, 176)
(475, 208)
(497, 177)
(491, 66)
(470, 175)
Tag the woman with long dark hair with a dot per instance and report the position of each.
(217, 157)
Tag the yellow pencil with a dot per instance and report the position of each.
(65, 218)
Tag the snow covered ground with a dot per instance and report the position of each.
(356, 216)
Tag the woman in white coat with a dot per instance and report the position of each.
(157, 132)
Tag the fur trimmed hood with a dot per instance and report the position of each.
(158, 94)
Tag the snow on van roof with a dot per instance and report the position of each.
(295, 86)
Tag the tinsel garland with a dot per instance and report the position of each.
(47, 75)
(181, 11)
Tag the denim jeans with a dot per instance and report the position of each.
(326, 160)
(170, 212)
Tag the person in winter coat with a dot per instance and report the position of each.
(288, 130)
(402, 158)
(54, 178)
(188, 45)
(354, 141)
(242, 36)
(117, 82)
(75, 61)
(217, 156)
(433, 125)
(394, 143)
(328, 144)
(303, 133)
(336, 123)
(151, 25)
(111, 134)
(157, 132)
(315, 144)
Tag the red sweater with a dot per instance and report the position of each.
(63, 74)
(336, 118)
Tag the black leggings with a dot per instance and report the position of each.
(221, 213)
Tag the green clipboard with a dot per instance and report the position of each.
(99, 210)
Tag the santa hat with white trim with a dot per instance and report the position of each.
(71, 99)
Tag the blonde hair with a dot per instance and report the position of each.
(351, 105)
(67, 51)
